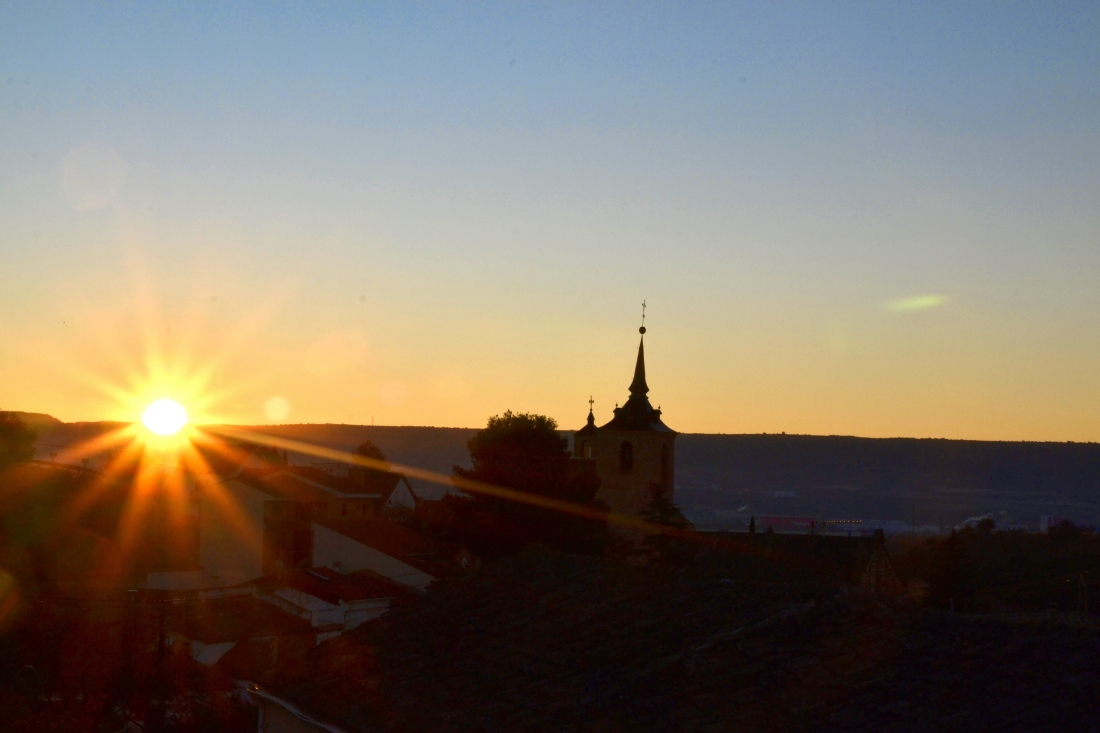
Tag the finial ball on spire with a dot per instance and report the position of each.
(642, 330)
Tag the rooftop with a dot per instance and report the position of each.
(638, 413)
(545, 641)
(333, 587)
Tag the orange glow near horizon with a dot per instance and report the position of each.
(159, 390)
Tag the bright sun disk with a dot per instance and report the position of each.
(164, 417)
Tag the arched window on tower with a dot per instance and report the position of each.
(586, 449)
(626, 456)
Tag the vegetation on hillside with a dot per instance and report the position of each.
(523, 453)
(982, 570)
(16, 440)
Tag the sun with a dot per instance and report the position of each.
(164, 417)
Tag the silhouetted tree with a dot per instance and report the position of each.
(16, 440)
(379, 478)
(949, 582)
(663, 512)
(524, 452)
(368, 449)
(752, 524)
(665, 542)
(1065, 531)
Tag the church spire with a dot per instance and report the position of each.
(638, 386)
(637, 413)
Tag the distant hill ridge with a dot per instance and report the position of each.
(929, 480)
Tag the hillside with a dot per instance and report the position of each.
(721, 478)
(935, 482)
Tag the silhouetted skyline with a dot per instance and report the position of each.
(873, 221)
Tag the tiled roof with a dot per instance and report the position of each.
(289, 483)
(283, 484)
(379, 483)
(333, 587)
(544, 641)
(637, 413)
(397, 541)
(233, 619)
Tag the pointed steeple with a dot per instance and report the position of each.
(638, 386)
(637, 413)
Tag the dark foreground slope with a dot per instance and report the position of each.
(550, 642)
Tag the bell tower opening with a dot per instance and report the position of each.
(626, 456)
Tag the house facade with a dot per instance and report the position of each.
(254, 524)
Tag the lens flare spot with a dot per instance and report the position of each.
(917, 303)
(277, 409)
(164, 417)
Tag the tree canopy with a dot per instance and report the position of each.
(16, 440)
(525, 453)
(368, 449)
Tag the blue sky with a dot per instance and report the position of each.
(472, 200)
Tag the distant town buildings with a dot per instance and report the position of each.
(287, 556)
(265, 518)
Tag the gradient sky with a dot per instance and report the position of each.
(848, 218)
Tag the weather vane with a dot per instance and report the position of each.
(642, 329)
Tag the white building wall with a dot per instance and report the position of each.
(331, 547)
(209, 654)
(231, 542)
(401, 497)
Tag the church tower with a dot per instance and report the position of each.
(634, 454)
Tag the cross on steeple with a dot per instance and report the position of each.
(590, 403)
(643, 316)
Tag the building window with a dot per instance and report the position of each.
(586, 449)
(626, 457)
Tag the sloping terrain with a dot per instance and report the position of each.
(934, 482)
(721, 478)
(551, 642)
